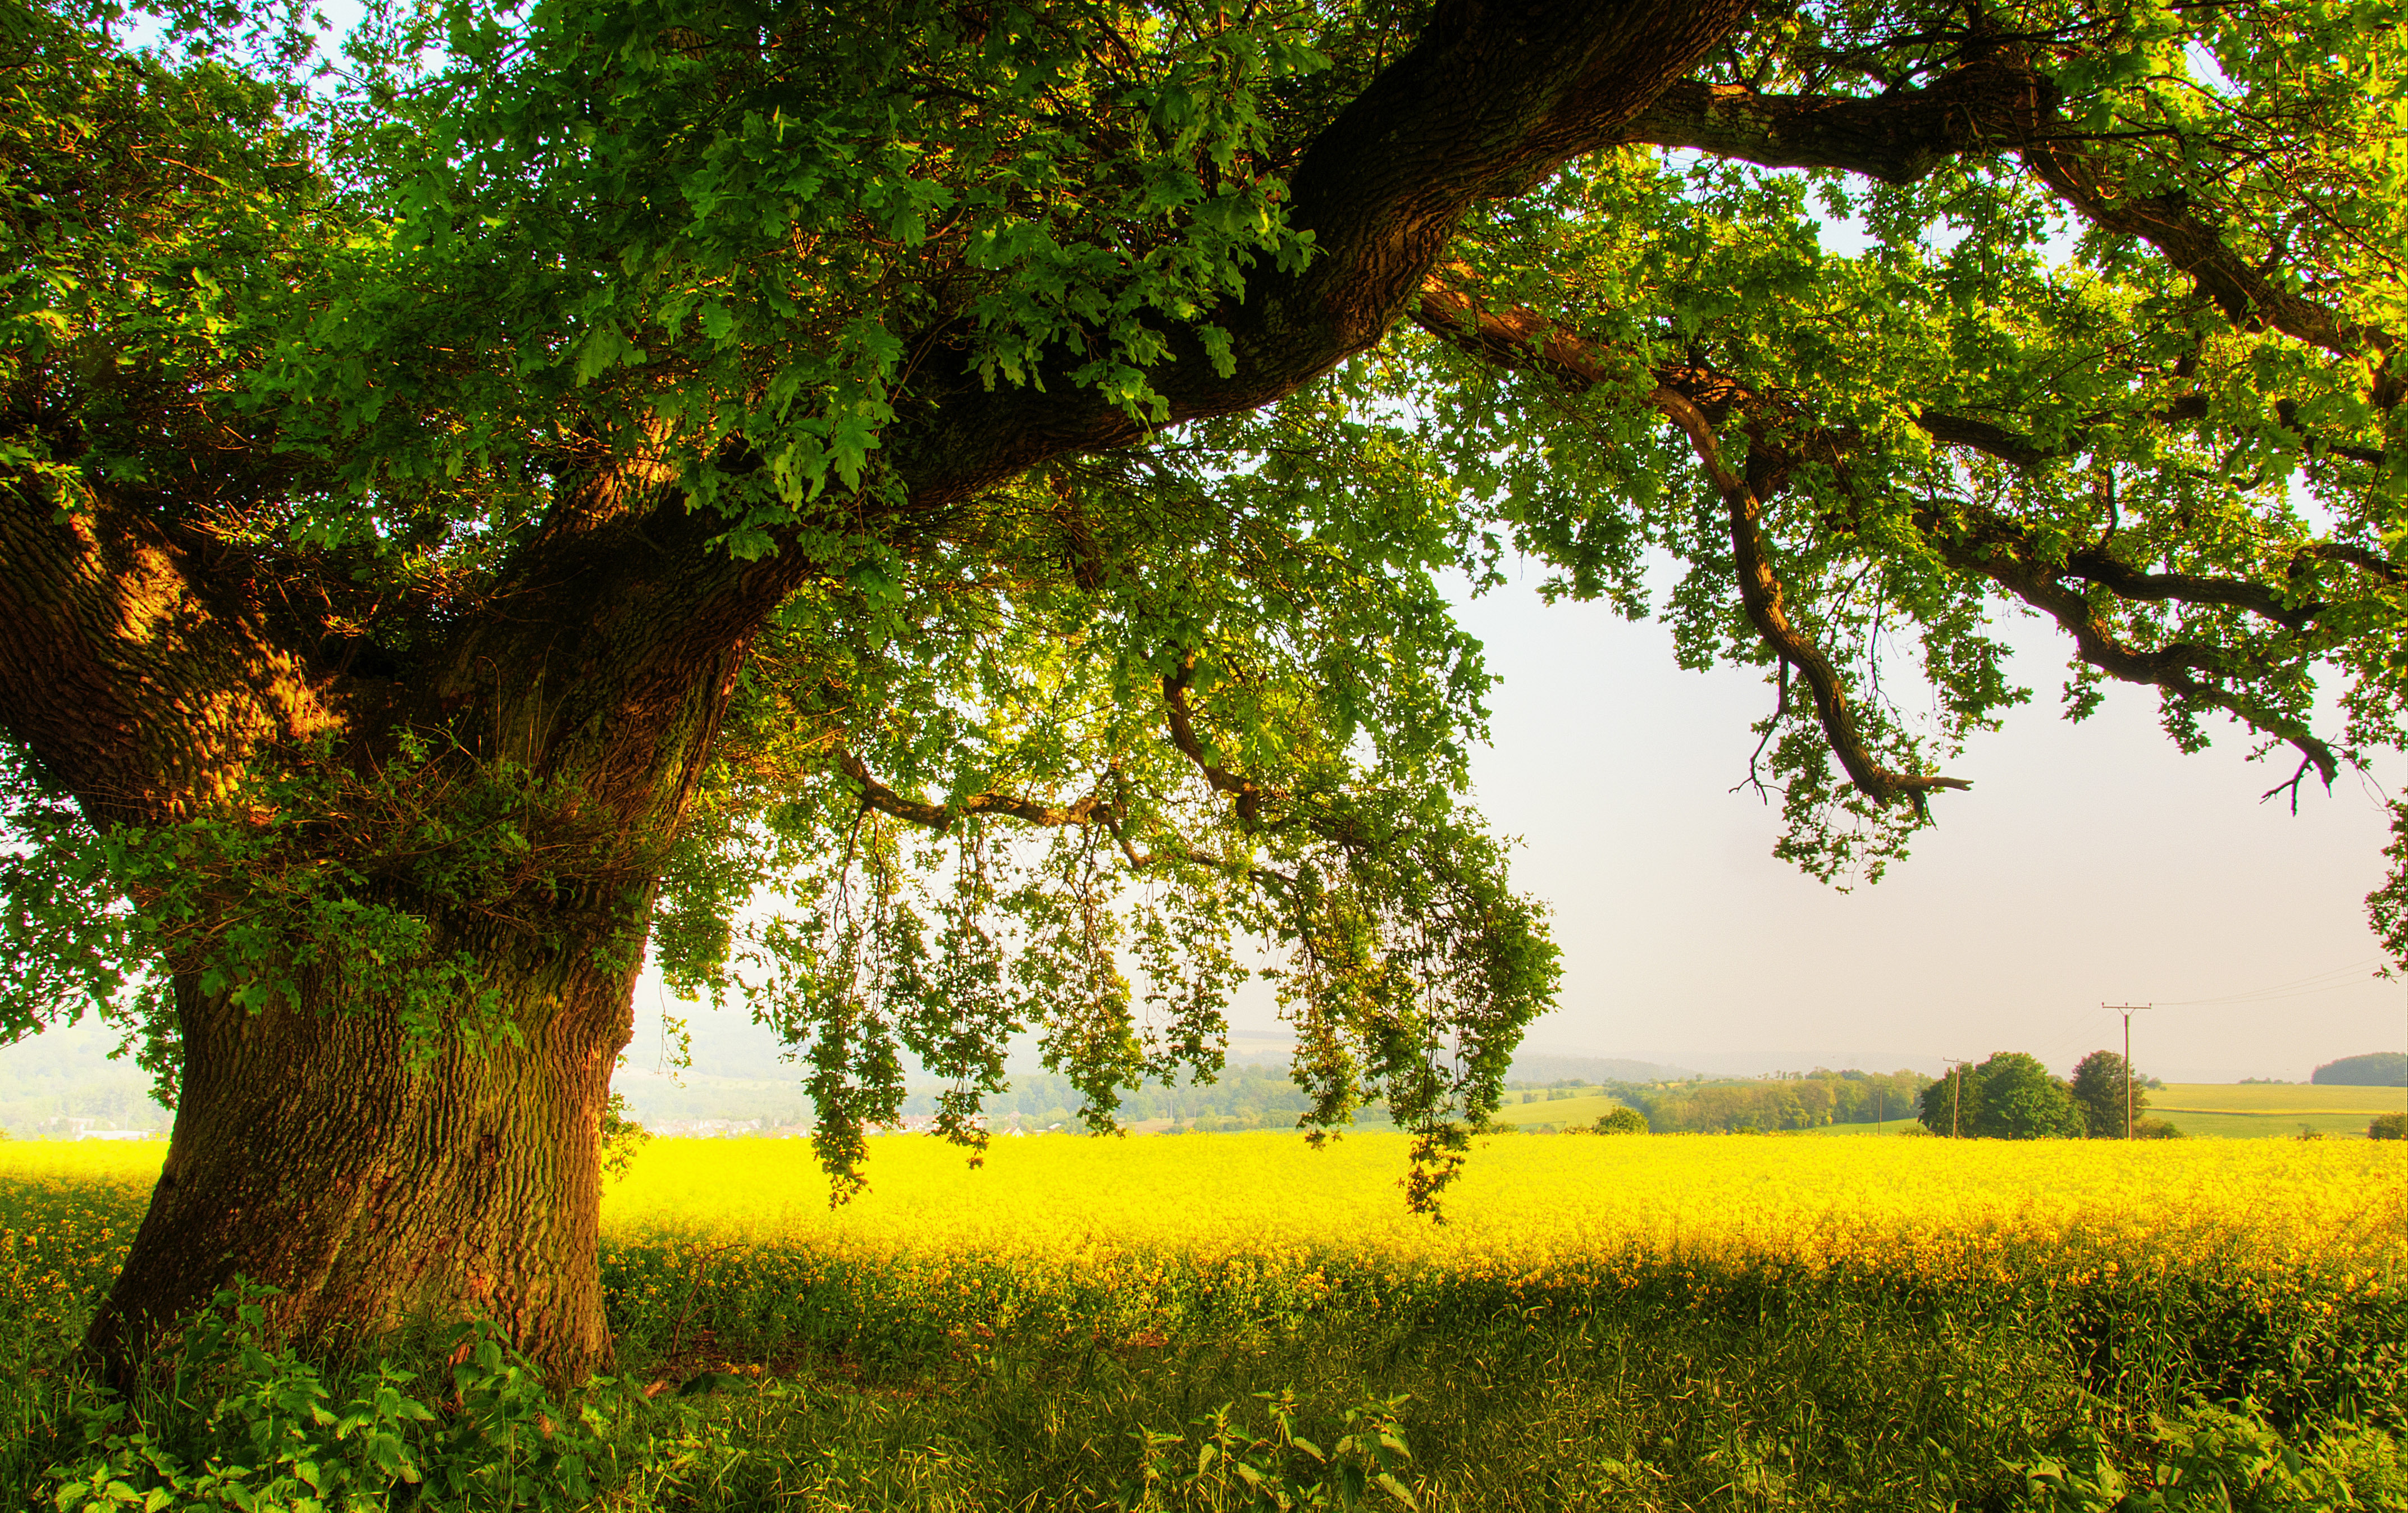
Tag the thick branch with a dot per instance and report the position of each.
(133, 675)
(1897, 138)
(2249, 297)
(1993, 103)
(1491, 95)
(1985, 436)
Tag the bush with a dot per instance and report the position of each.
(1623, 1121)
(246, 1424)
(2388, 1127)
(2155, 1129)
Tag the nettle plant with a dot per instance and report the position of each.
(936, 523)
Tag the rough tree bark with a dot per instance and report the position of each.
(310, 1153)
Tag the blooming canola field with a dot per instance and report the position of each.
(1130, 1237)
(737, 1240)
(1537, 1202)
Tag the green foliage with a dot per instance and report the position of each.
(244, 1423)
(2375, 1069)
(2387, 1127)
(255, 902)
(1624, 1120)
(2101, 1084)
(1806, 1101)
(2010, 1096)
(2155, 1129)
(1224, 1463)
(1953, 1105)
(2020, 1101)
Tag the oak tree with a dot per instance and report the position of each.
(933, 521)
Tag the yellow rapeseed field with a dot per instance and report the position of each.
(1139, 1235)
(1537, 1202)
(67, 1212)
(1138, 1232)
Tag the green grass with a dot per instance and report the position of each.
(2229, 1110)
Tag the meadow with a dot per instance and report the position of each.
(1664, 1323)
(2256, 1110)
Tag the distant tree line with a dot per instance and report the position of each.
(2011, 1096)
(1792, 1101)
(2377, 1069)
(1245, 1097)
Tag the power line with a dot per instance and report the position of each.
(2298, 988)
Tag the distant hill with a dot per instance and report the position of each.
(1543, 1068)
(2375, 1069)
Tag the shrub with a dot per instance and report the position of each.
(2388, 1127)
(1623, 1121)
(2155, 1129)
(246, 1424)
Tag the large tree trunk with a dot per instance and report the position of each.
(312, 1155)
(378, 1176)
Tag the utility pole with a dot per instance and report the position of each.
(1955, 1096)
(2127, 1010)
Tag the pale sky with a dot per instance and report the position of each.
(2090, 863)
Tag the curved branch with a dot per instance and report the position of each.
(1760, 595)
(2249, 297)
(1093, 809)
(1522, 339)
(2002, 551)
(1248, 793)
(1993, 101)
(1526, 341)
(2358, 557)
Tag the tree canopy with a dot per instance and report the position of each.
(934, 521)
(2375, 1069)
(2109, 1094)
